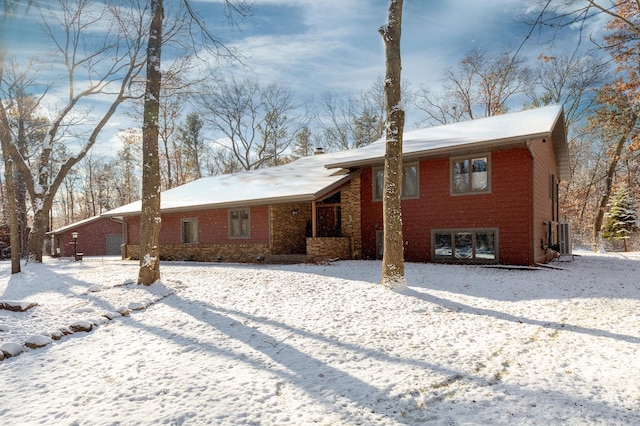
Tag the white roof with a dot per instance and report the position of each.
(308, 178)
(74, 225)
(474, 134)
(302, 180)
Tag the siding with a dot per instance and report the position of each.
(544, 167)
(508, 208)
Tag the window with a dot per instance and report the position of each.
(239, 223)
(409, 181)
(189, 231)
(470, 175)
(473, 246)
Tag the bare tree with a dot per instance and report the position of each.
(393, 257)
(353, 120)
(479, 86)
(258, 123)
(111, 62)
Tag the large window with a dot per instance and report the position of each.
(475, 246)
(189, 230)
(409, 181)
(470, 175)
(239, 224)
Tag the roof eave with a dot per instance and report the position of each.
(449, 150)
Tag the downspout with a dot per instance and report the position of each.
(125, 233)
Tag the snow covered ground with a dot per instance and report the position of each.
(323, 344)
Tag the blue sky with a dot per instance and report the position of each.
(319, 46)
(316, 45)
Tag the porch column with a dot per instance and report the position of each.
(314, 219)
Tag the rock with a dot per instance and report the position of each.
(57, 334)
(111, 315)
(1, 356)
(94, 288)
(10, 349)
(38, 341)
(4, 327)
(137, 306)
(16, 306)
(81, 326)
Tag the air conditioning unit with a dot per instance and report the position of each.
(564, 238)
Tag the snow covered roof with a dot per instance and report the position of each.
(302, 180)
(474, 134)
(310, 177)
(74, 225)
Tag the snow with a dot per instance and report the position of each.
(506, 128)
(301, 180)
(302, 344)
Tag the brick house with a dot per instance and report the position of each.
(481, 191)
(96, 236)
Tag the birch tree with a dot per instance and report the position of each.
(393, 257)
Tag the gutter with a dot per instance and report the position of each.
(446, 150)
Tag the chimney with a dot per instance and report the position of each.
(319, 150)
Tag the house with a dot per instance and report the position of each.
(481, 191)
(95, 236)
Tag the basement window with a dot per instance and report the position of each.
(465, 246)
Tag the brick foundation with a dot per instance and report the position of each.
(244, 253)
(329, 248)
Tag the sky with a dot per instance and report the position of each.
(333, 46)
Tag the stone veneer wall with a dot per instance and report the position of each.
(323, 248)
(351, 217)
(288, 232)
(246, 253)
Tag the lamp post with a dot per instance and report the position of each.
(74, 235)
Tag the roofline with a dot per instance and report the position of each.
(244, 203)
(474, 146)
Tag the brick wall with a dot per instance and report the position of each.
(288, 231)
(245, 253)
(508, 207)
(351, 214)
(92, 238)
(329, 248)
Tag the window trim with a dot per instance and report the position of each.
(230, 227)
(474, 232)
(374, 171)
(469, 157)
(192, 220)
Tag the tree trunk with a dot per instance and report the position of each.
(5, 141)
(604, 199)
(150, 215)
(393, 257)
